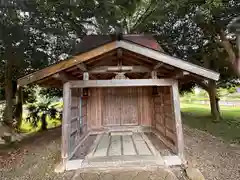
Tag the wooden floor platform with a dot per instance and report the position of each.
(121, 145)
(120, 149)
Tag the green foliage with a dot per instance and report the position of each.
(42, 109)
(223, 93)
(39, 112)
(51, 92)
(36, 34)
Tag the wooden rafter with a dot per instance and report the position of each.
(64, 77)
(154, 74)
(67, 64)
(132, 51)
(181, 75)
(82, 67)
(172, 61)
(158, 65)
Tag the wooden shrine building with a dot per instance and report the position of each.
(121, 102)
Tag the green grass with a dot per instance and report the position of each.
(28, 128)
(198, 116)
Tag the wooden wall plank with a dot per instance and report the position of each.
(164, 118)
(94, 106)
(104, 106)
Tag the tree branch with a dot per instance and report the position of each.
(203, 85)
(145, 15)
(229, 49)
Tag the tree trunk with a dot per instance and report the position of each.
(234, 60)
(9, 92)
(44, 122)
(19, 108)
(215, 111)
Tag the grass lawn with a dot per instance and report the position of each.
(198, 116)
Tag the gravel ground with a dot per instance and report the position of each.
(36, 158)
(216, 159)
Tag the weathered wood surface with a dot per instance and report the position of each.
(119, 106)
(141, 145)
(122, 145)
(145, 106)
(121, 83)
(128, 147)
(125, 152)
(111, 106)
(66, 64)
(178, 120)
(65, 123)
(111, 69)
(164, 58)
(136, 50)
(164, 116)
(115, 146)
(102, 147)
(128, 106)
(94, 106)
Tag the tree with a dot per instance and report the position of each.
(29, 41)
(191, 31)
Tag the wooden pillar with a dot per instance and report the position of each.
(65, 122)
(154, 74)
(85, 76)
(178, 120)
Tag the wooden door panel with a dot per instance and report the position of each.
(129, 109)
(111, 107)
(120, 106)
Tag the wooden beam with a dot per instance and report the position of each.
(85, 76)
(48, 71)
(82, 67)
(166, 59)
(154, 74)
(181, 75)
(65, 122)
(64, 77)
(121, 83)
(105, 62)
(119, 53)
(143, 53)
(158, 65)
(178, 120)
(112, 69)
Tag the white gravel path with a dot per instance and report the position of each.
(216, 159)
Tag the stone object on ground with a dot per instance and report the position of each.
(59, 168)
(194, 174)
(2, 141)
(133, 174)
